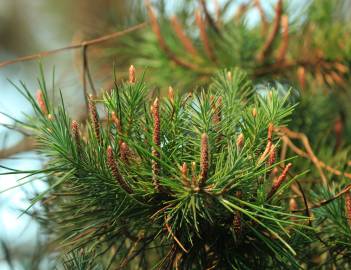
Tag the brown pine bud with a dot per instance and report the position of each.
(240, 141)
(203, 160)
(272, 155)
(265, 152)
(116, 122)
(184, 172)
(94, 118)
(115, 171)
(270, 131)
(254, 112)
(237, 224)
(217, 111)
(155, 109)
(171, 94)
(301, 76)
(278, 182)
(348, 207)
(132, 74)
(229, 76)
(41, 102)
(292, 205)
(75, 133)
(50, 117)
(124, 152)
(193, 172)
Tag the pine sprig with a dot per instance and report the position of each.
(128, 185)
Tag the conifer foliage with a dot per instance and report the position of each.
(188, 181)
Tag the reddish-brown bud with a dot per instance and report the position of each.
(203, 160)
(155, 110)
(270, 131)
(94, 118)
(132, 74)
(265, 152)
(41, 102)
(124, 152)
(115, 171)
(75, 133)
(184, 172)
(240, 141)
(171, 94)
(278, 182)
(116, 122)
(348, 207)
(272, 155)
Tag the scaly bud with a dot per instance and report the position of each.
(292, 205)
(171, 94)
(265, 152)
(184, 172)
(193, 172)
(124, 152)
(115, 171)
(132, 74)
(229, 76)
(270, 131)
(75, 133)
(116, 122)
(94, 118)
(203, 160)
(240, 141)
(237, 217)
(254, 112)
(348, 207)
(272, 155)
(277, 183)
(41, 102)
(155, 110)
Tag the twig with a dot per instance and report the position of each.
(262, 15)
(327, 201)
(174, 237)
(203, 36)
(208, 17)
(285, 39)
(87, 71)
(84, 79)
(267, 46)
(74, 46)
(26, 144)
(162, 43)
(186, 42)
(309, 153)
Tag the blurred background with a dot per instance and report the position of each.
(31, 26)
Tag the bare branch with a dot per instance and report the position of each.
(74, 46)
(26, 144)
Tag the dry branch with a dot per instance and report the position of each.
(74, 46)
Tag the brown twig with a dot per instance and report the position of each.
(24, 145)
(285, 39)
(74, 46)
(183, 38)
(174, 237)
(203, 35)
(309, 154)
(208, 17)
(258, 5)
(162, 43)
(267, 46)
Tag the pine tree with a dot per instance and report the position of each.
(237, 174)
